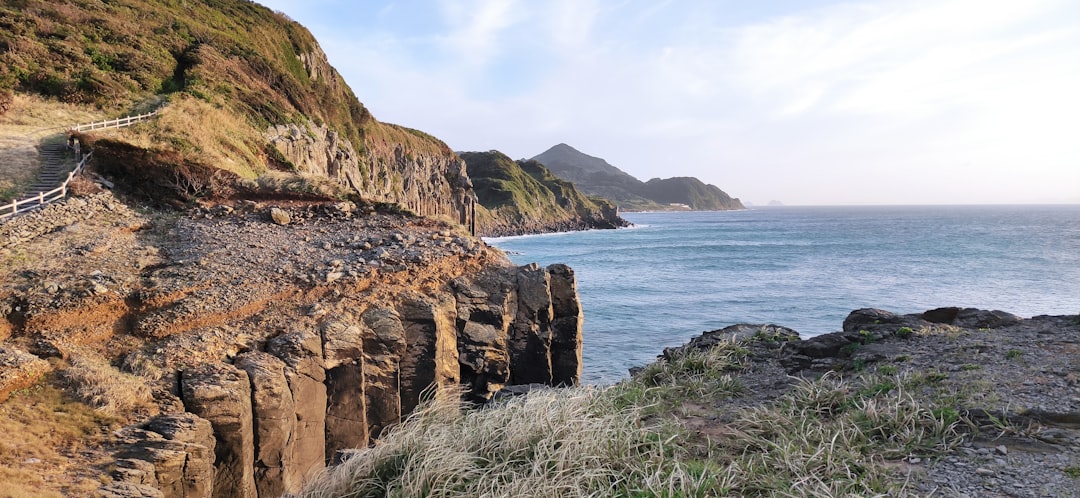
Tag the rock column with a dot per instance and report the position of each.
(221, 394)
(530, 334)
(274, 422)
(566, 327)
(346, 409)
(306, 374)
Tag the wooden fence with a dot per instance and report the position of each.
(114, 123)
(43, 198)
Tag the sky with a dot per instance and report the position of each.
(811, 102)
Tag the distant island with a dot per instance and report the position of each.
(595, 177)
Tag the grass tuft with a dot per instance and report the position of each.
(826, 437)
(94, 382)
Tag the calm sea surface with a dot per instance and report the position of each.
(675, 275)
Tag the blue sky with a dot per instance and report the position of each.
(810, 102)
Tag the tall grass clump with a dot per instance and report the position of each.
(565, 442)
(824, 437)
(94, 382)
(830, 437)
(688, 374)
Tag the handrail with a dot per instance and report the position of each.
(43, 198)
(114, 123)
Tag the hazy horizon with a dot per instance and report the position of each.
(890, 102)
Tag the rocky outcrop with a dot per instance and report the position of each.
(173, 457)
(399, 166)
(1009, 384)
(275, 417)
(290, 342)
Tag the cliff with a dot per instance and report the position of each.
(235, 351)
(595, 176)
(518, 197)
(251, 108)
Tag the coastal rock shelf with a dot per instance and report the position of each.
(271, 346)
(1015, 382)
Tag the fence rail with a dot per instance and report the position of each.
(114, 123)
(41, 199)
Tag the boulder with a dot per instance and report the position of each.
(274, 422)
(280, 216)
(983, 319)
(221, 393)
(18, 370)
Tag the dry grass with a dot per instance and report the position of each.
(570, 442)
(829, 437)
(203, 134)
(93, 381)
(49, 443)
(283, 183)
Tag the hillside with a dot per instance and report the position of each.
(595, 176)
(524, 197)
(251, 106)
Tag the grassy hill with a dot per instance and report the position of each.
(229, 71)
(524, 197)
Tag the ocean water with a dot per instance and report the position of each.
(675, 275)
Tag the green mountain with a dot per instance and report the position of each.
(595, 176)
(525, 197)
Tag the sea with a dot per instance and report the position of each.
(674, 275)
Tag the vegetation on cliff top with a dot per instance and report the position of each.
(229, 69)
(525, 194)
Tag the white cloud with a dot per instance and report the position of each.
(476, 28)
(928, 100)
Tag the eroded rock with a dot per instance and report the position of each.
(221, 393)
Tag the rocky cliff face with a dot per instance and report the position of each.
(270, 345)
(417, 172)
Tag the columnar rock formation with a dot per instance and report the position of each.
(273, 418)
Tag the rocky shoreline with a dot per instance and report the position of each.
(1014, 384)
